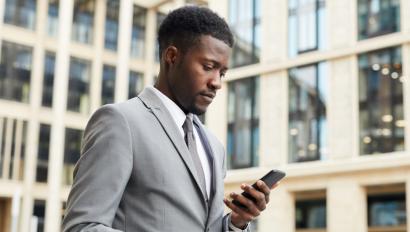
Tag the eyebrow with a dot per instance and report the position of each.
(216, 63)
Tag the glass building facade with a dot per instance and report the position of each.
(83, 21)
(381, 101)
(243, 123)
(244, 19)
(108, 85)
(21, 13)
(307, 26)
(78, 86)
(15, 72)
(377, 17)
(307, 113)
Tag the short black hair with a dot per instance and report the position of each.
(183, 27)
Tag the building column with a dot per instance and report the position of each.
(274, 133)
(150, 42)
(33, 122)
(53, 208)
(124, 45)
(342, 109)
(406, 95)
(279, 213)
(97, 65)
(346, 206)
(2, 6)
(405, 16)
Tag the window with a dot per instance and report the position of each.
(83, 21)
(244, 18)
(43, 153)
(243, 123)
(78, 86)
(13, 140)
(48, 81)
(39, 213)
(307, 113)
(135, 84)
(381, 101)
(108, 85)
(111, 24)
(20, 13)
(386, 207)
(72, 150)
(15, 72)
(52, 21)
(306, 26)
(138, 32)
(378, 17)
(310, 214)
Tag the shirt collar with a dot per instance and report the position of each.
(176, 113)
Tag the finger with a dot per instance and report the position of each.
(259, 196)
(242, 213)
(251, 207)
(264, 189)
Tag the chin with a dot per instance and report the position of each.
(198, 110)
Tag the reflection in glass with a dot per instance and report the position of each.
(243, 123)
(386, 210)
(20, 13)
(378, 17)
(108, 85)
(245, 22)
(135, 84)
(48, 82)
(311, 214)
(306, 26)
(52, 20)
(382, 124)
(43, 153)
(83, 21)
(78, 86)
(15, 72)
(138, 32)
(72, 150)
(111, 24)
(307, 113)
(39, 213)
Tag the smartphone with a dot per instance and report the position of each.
(270, 179)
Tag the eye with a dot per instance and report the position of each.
(222, 74)
(207, 67)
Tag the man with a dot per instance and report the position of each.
(148, 164)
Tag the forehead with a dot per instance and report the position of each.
(211, 48)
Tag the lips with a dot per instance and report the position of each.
(208, 96)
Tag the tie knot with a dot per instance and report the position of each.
(187, 126)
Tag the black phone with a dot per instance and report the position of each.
(270, 179)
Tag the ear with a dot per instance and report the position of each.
(171, 55)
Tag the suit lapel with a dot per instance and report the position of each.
(213, 207)
(154, 104)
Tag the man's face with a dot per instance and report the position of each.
(196, 75)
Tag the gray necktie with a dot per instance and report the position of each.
(190, 142)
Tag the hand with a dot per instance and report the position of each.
(241, 217)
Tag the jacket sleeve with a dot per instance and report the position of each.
(101, 174)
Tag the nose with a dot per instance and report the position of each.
(215, 82)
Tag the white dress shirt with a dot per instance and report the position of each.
(179, 118)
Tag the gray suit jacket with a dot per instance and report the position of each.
(136, 174)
